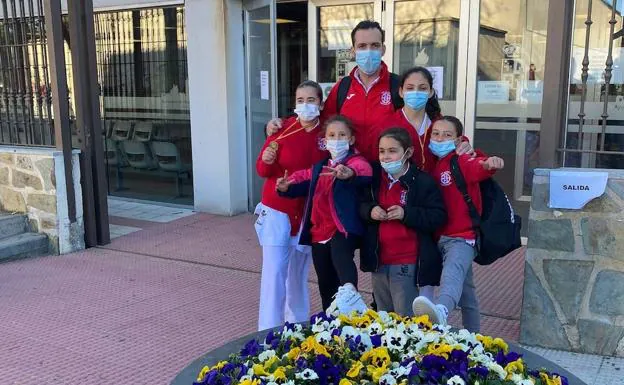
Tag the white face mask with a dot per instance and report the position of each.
(307, 111)
(338, 148)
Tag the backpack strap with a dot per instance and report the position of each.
(460, 182)
(343, 90)
(397, 100)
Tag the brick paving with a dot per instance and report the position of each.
(140, 309)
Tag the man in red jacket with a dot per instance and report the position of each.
(369, 98)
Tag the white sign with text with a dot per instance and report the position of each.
(574, 189)
(438, 80)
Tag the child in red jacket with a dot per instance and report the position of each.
(331, 224)
(457, 237)
(285, 264)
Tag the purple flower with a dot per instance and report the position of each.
(301, 363)
(480, 371)
(335, 332)
(376, 340)
(228, 368)
(503, 359)
(209, 379)
(326, 370)
(272, 339)
(322, 316)
(252, 348)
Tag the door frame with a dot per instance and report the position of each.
(313, 27)
(249, 6)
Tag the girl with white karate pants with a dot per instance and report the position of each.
(285, 264)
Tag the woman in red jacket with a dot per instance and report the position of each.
(285, 265)
(420, 111)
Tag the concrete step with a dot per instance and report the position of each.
(23, 245)
(12, 224)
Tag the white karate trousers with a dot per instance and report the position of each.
(285, 266)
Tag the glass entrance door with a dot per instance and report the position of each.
(261, 83)
(330, 23)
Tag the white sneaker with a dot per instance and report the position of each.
(438, 314)
(346, 301)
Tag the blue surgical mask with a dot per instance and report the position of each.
(416, 100)
(442, 149)
(394, 166)
(368, 60)
(338, 148)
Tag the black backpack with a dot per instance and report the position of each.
(345, 84)
(498, 227)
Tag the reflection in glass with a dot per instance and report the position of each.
(510, 71)
(335, 25)
(428, 36)
(595, 89)
(143, 78)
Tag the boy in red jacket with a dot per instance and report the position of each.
(457, 237)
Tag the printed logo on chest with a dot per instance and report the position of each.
(446, 179)
(386, 98)
(321, 144)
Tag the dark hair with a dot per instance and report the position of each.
(432, 108)
(459, 127)
(313, 84)
(400, 135)
(367, 24)
(339, 119)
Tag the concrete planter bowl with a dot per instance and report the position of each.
(189, 374)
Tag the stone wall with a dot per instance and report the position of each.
(32, 181)
(574, 272)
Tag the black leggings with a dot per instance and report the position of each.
(333, 262)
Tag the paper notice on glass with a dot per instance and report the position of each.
(530, 91)
(438, 80)
(596, 67)
(493, 92)
(574, 189)
(264, 85)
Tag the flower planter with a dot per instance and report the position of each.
(189, 375)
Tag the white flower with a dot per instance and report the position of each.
(289, 382)
(400, 371)
(271, 383)
(387, 379)
(384, 317)
(287, 334)
(320, 326)
(519, 379)
(323, 337)
(455, 380)
(348, 332)
(265, 355)
(496, 368)
(394, 339)
(374, 329)
(307, 374)
(335, 324)
(365, 343)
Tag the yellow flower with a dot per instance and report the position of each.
(354, 371)
(501, 344)
(424, 320)
(202, 373)
(373, 315)
(378, 357)
(312, 345)
(441, 350)
(556, 380)
(259, 370)
(250, 382)
(344, 381)
(219, 365)
(293, 354)
(279, 374)
(377, 372)
(514, 367)
(268, 363)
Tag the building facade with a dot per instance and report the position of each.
(186, 87)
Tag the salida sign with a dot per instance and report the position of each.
(574, 189)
